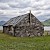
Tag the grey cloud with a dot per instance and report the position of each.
(1, 12)
(24, 5)
(37, 0)
(5, 1)
(20, 5)
(46, 14)
(4, 8)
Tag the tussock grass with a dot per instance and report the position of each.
(8, 42)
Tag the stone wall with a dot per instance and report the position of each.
(25, 29)
(8, 30)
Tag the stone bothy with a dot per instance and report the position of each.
(26, 25)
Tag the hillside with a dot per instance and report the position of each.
(46, 22)
(2, 22)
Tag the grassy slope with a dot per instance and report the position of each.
(47, 22)
(8, 42)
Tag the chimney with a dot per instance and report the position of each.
(30, 17)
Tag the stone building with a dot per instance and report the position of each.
(26, 25)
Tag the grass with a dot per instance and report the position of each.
(8, 42)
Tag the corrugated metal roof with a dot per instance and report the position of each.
(15, 20)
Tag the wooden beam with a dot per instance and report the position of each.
(14, 31)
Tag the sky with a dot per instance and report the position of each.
(13, 8)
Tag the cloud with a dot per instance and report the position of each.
(12, 8)
(4, 6)
(4, 1)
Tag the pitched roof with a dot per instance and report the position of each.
(15, 20)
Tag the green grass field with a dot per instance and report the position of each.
(8, 42)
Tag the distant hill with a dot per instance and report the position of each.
(46, 22)
(4, 18)
(2, 22)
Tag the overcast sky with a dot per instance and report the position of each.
(12, 8)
